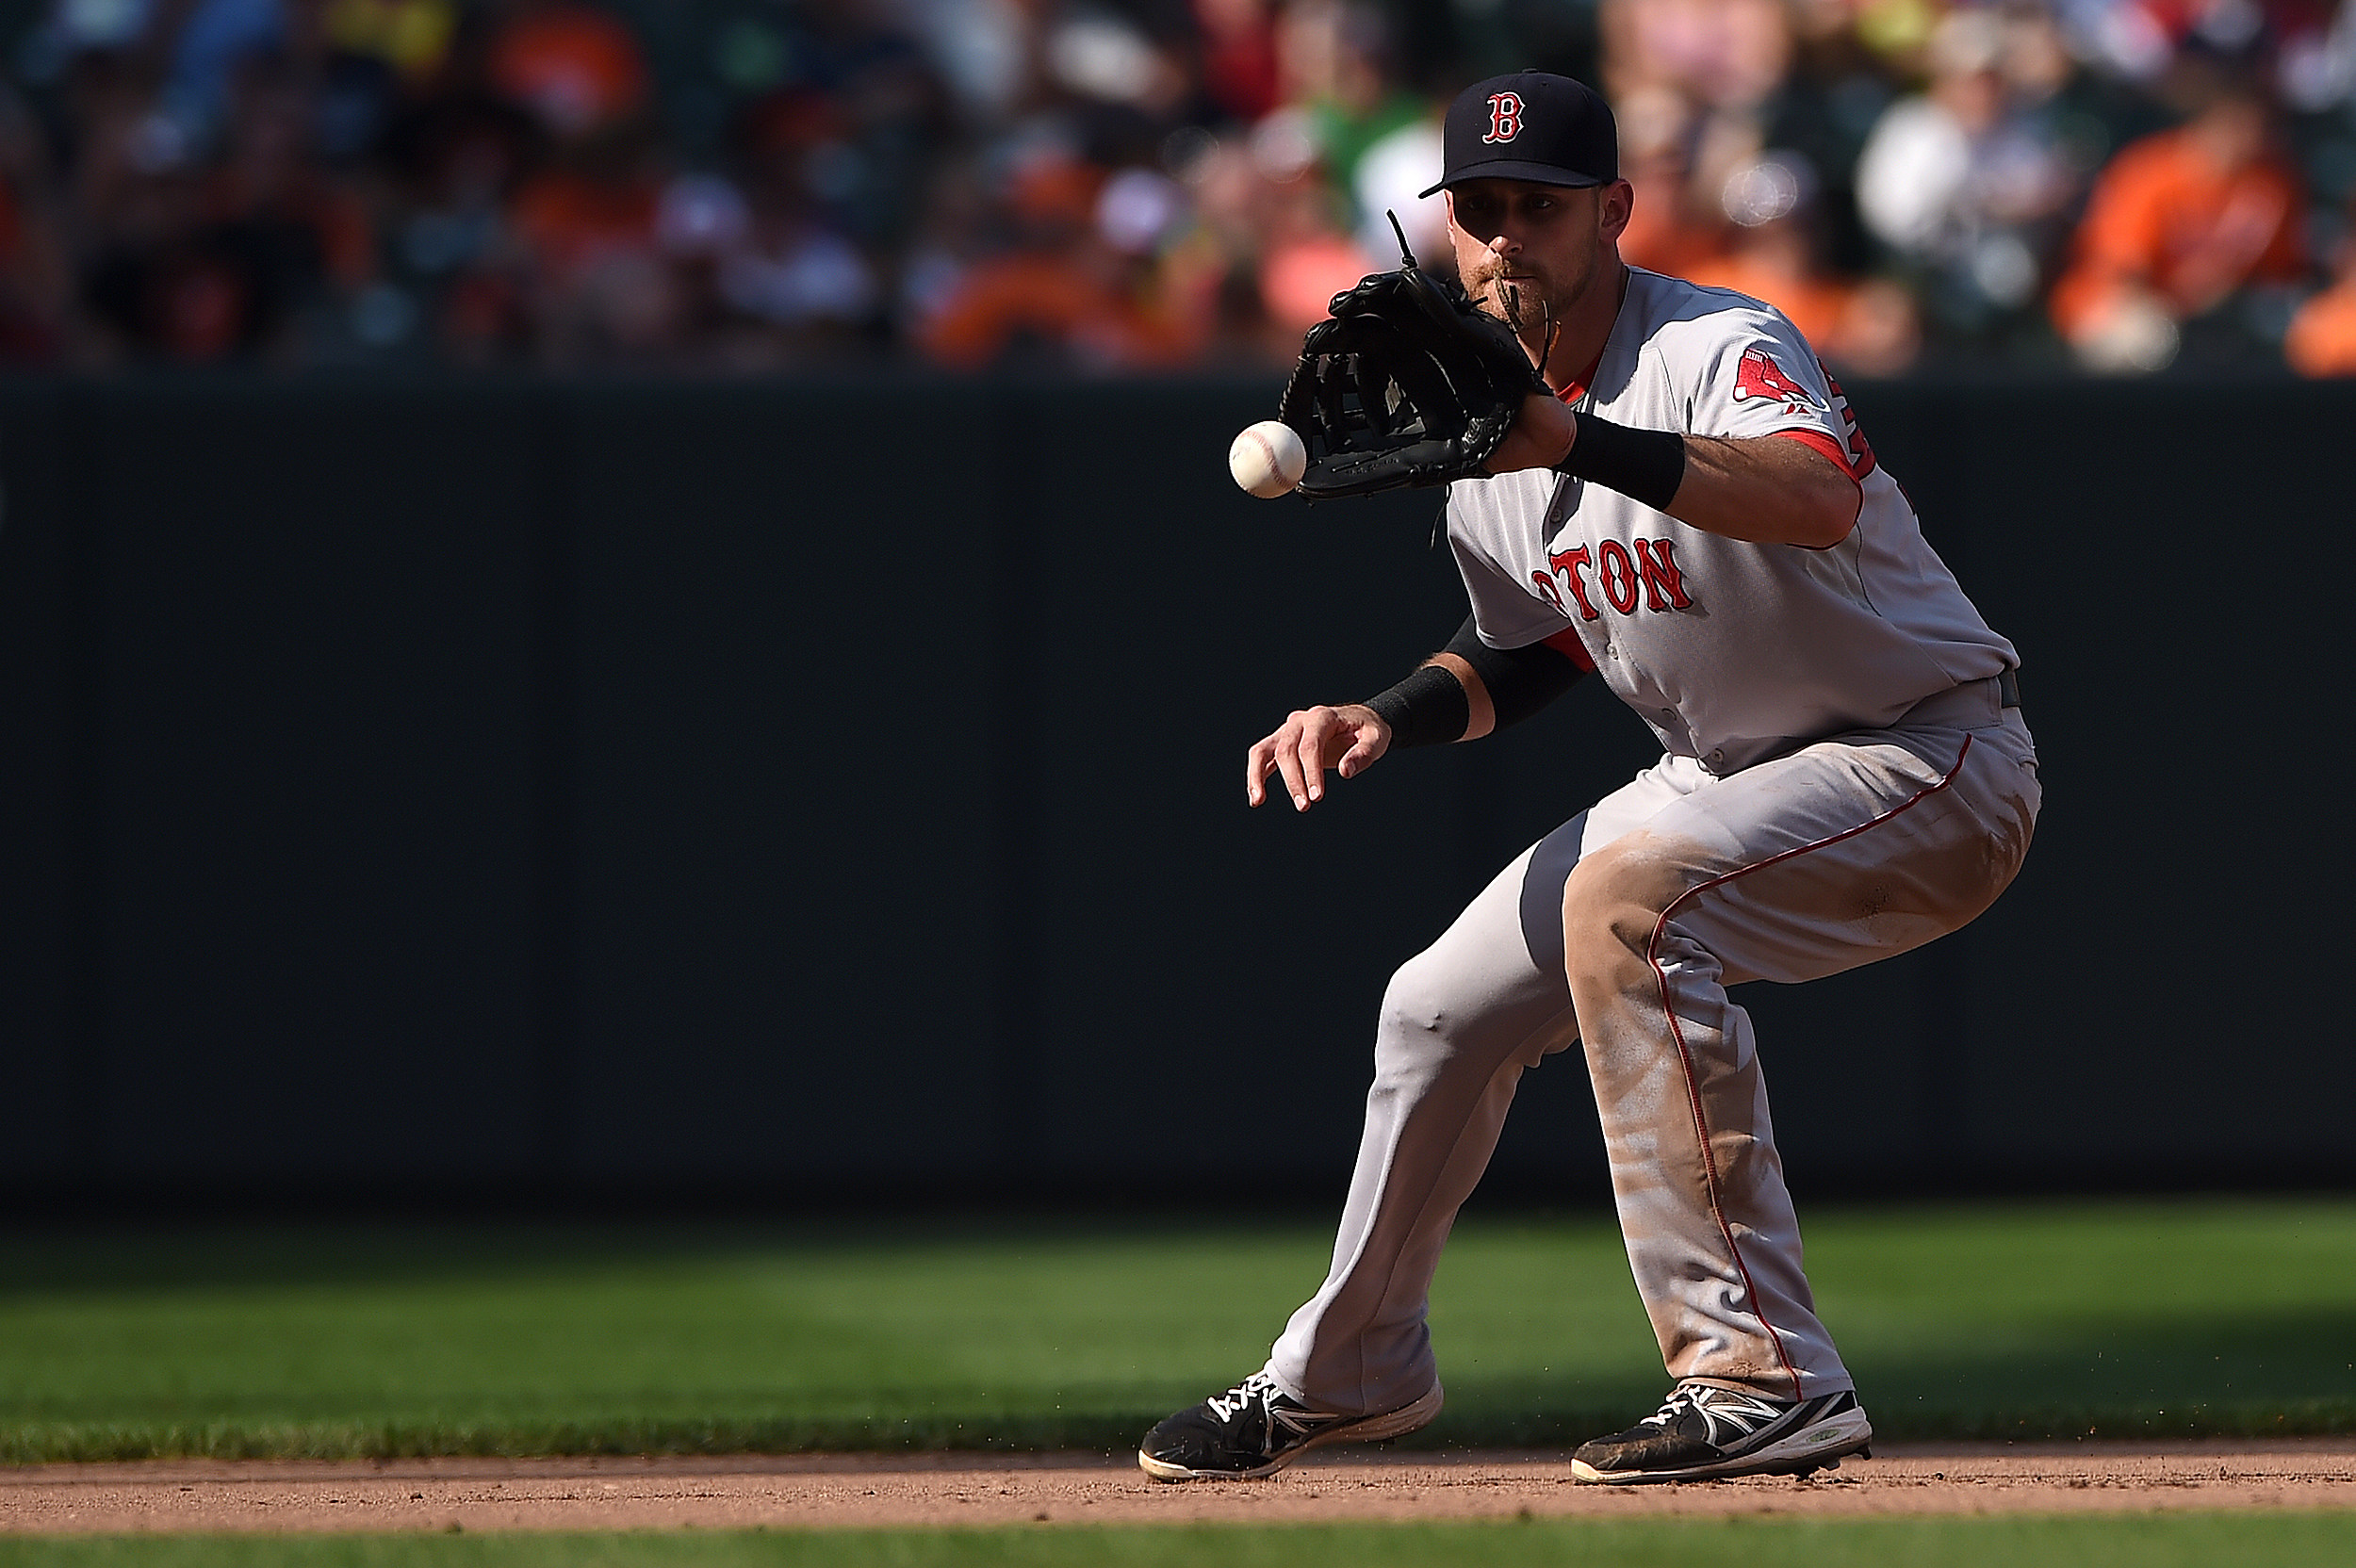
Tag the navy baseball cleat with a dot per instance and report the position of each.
(1256, 1428)
(1707, 1433)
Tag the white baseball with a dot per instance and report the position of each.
(1267, 459)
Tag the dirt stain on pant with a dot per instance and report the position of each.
(1683, 1107)
(1655, 927)
(1621, 930)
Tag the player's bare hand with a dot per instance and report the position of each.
(1540, 437)
(1348, 739)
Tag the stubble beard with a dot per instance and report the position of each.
(1534, 296)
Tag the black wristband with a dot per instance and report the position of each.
(1645, 466)
(1428, 708)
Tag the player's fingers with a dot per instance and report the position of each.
(1365, 749)
(1256, 768)
(1289, 765)
(1314, 736)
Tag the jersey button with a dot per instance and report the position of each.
(1716, 760)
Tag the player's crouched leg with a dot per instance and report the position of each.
(1460, 1022)
(1612, 908)
(1760, 1386)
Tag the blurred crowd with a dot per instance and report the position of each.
(2120, 186)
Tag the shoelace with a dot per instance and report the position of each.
(1235, 1400)
(1675, 1405)
(1742, 1418)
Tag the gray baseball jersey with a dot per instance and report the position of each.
(1731, 652)
(1845, 780)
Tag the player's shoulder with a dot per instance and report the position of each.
(1680, 318)
(1701, 347)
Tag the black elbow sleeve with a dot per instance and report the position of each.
(1519, 680)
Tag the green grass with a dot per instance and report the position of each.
(2116, 1541)
(2120, 1319)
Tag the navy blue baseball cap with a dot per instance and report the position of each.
(1531, 125)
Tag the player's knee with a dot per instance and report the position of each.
(1420, 1012)
(1417, 1005)
(1614, 898)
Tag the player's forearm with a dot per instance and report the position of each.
(1481, 713)
(1444, 700)
(1763, 489)
(1469, 689)
(1766, 490)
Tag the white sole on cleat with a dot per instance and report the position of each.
(1821, 1447)
(1373, 1428)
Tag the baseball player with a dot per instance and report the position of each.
(1687, 508)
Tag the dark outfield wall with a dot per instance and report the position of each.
(789, 788)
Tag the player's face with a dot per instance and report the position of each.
(1546, 244)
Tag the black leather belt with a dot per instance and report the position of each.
(2008, 688)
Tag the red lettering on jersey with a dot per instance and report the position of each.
(1567, 564)
(1757, 375)
(1861, 461)
(1617, 574)
(1505, 116)
(1664, 585)
(1652, 574)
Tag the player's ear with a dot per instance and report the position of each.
(1614, 202)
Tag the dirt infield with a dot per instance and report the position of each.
(934, 1490)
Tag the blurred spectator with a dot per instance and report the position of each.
(210, 42)
(573, 65)
(408, 37)
(596, 284)
(1673, 227)
(1238, 47)
(776, 264)
(2178, 223)
(1219, 254)
(375, 50)
(1960, 182)
(1695, 78)
(1333, 60)
(1726, 56)
(1075, 288)
(1773, 254)
(1390, 180)
(197, 264)
(2322, 336)
(1132, 184)
(1308, 256)
(35, 275)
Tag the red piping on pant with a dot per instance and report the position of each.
(1685, 1056)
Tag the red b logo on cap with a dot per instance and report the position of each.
(1505, 116)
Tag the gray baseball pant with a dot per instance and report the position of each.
(1623, 928)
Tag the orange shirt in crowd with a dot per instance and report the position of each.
(1816, 304)
(1056, 299)
(2322, 339)
(1299, 278)
(576, 67)
(2167, 218)
(566, 220)
(1661, 238)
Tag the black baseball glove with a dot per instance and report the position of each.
(1405, 383)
